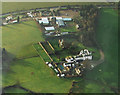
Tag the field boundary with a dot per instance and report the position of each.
(38, 53)
(45, 51)
(50, 45)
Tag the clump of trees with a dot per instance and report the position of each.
(87, 21)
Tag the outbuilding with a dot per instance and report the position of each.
(49, 28)
(60, 23)
(59, 18)
(67, 19)
(44, 20)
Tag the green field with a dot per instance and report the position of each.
(28, 70)
(17, 6)
(106, 80)
(42, 53)
(36, 76)
(18, 38)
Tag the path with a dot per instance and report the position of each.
(92, 64)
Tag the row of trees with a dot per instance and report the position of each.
(87, 21)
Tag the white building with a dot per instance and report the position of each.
(44, 20)
(49, 28)
(59, 18)
(9, 18)
(67, 19)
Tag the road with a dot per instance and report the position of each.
(23, 11)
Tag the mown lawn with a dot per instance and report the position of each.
(104, 78)
(17, 39)
(35, 75)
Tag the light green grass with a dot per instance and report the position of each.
(43, 79)
(17, 39)
(16, 6)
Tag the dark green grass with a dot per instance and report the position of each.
(47, 47)
(55, 43)
(106, 80)
(107, 36)
(61, 54)
(42, 53)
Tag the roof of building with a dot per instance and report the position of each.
(44, 20)
(61, 23)
(58, 18)
(67, 19)
(49, 28)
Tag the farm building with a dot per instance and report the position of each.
(49, 28)
(58, 18)
(44, 20)
(67, 19)
(13, 21)
(9, 18)
(60, 23)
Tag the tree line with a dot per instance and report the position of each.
(87, 24)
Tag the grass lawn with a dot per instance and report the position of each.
(107, 36)
(70, 27)
(88, 86)
(36, 76)
(17, 39)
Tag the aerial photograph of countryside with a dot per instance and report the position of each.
(59, 47)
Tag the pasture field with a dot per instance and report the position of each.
(17, 6)
(106, 80)
(18, 38)
(36, 76)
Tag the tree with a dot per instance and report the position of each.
(18, 19)
(68, 7)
